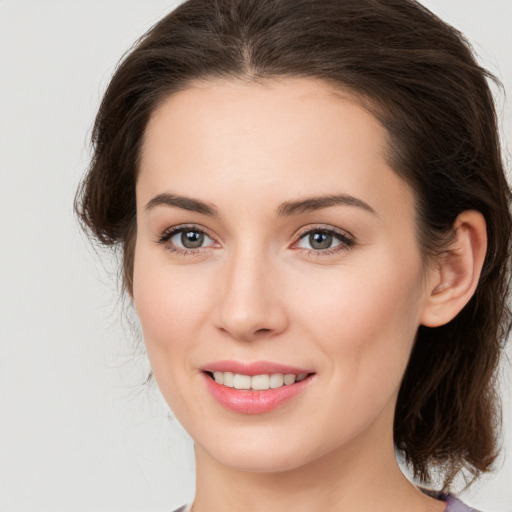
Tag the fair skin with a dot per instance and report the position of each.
(259, 287)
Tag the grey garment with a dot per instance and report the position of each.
(182, 509)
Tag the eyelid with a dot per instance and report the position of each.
(347, 240)
(165, 236)
(345, 236)
(324, 227)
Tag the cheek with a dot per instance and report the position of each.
(172, 302)
(365, 321)
(154, 281)
(369, 296)
(153, 302)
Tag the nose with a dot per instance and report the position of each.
(250, 303)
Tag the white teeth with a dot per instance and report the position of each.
(276, 380)
(257, 382)
(289, 378)
(242, 381)
(260, 382)
(228, 379)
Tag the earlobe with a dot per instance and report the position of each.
(455, 278)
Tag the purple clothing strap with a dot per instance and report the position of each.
(453, 504)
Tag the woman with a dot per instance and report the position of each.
(315, 226)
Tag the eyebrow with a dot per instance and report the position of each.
(316, 203)
(286, 209)
(185, 203)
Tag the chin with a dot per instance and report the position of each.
(258, 463)
(260, 457)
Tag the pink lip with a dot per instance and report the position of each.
(250, 401)
(255, 368)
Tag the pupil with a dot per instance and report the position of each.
(192, 239)
(320, 240)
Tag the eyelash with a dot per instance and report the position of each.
(346, 240)
(169, 233)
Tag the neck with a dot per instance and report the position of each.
(364, 476)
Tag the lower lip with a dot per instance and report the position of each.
(254, 402)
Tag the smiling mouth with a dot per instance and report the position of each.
(260, 382)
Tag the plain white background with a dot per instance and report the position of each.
(78, 431)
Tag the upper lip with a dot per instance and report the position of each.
(253, 368)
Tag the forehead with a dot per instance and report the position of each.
(295, 135)
(287, 109)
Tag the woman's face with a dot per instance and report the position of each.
(271, 229)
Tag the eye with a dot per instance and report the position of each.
(185, 239)
(323, 241)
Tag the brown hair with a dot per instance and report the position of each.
(420, 79)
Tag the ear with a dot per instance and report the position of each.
(453, 280)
